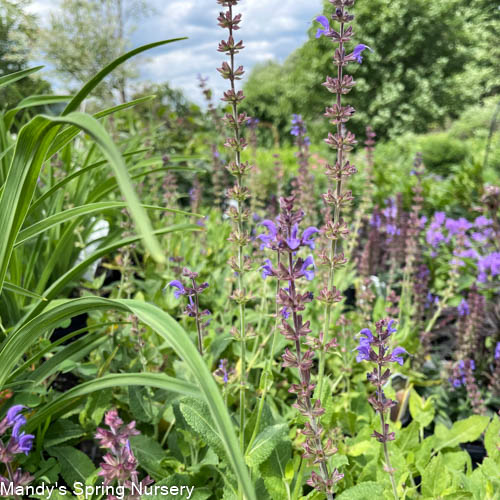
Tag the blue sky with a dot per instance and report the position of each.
(271, 29)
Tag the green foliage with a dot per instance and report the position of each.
(430, 60)
(17, 35)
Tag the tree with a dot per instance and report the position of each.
(430, 60)
(85, 35)
(17, 32)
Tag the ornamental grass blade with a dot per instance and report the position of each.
(68, 134)
(72, 213)
(31, 148)
(14, 347)
(92, 84)
(67, 399)
(13, 77)
(31, 102)
(75, 272)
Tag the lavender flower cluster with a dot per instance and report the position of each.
(17, 443)
(473, 240)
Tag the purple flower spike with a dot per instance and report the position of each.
(180, 288)
(497, 351)
(358, 50)
(326, 26)
(396, 355)
(463, 308)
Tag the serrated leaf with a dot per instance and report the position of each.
(139, 406)
(265, 443)
(362, 491)
(75, 465)
(197, 415)
(149, 454)
(436, 478)
(492, 438)
(422, 411)
(61, 431)
(463, 431)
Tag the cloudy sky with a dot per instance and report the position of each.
(271, 29)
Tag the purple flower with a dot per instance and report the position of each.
(434, 237)
(364, 346)
(497, 351)
(306, 236)
(482, 221)
(25, 443)
(285, 313)
(358, 50)
(390, 328)
(180, 288)
(396, 356)
(326, 26)
(363, 352)
(463, 308)
(458, 226)
(267, 269)
(309, 262)
(267, 239)
(294, 242)
(375, 220)
(13, 414)
(439, 218)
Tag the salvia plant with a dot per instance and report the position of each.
(186, 312)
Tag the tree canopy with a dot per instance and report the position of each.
(430, 60)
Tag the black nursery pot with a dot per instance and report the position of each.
(477, 452)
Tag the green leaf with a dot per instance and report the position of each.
(90, 85)
(13, 348)
(139, 406)
(68, 134)
(21, 291)
(32, 101)
(63, 402)
(421, 411)
(492, 438)
(75, 465)
(362, 491)
(436, 478)
(462, 431)
(408, 437)
(29, 154)
(66, 215)
(13, 77)
(149, 454)
(61, 431)
(265, 443)
(197, 415)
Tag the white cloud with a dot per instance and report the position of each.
(270, 29)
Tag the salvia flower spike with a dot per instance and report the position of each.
(287, 240)
(342, 141)
(375, 348)
(238, 194)
(193, 310)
